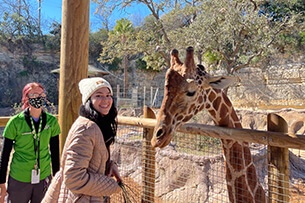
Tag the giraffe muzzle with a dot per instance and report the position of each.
(160, 138)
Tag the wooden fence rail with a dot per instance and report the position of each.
(276, 139)
(3, 121)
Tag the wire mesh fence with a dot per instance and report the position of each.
(193, 169)
(138, 96)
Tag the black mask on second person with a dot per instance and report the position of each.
(37, 102)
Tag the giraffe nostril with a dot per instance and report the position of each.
(159, 133)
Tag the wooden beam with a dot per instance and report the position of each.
(73, 61)
(276, 139)
(3, 120)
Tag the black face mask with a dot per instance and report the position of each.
(37, 102)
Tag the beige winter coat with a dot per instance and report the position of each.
(81, 176)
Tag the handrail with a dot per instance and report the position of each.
(3, 120)
(276, 139)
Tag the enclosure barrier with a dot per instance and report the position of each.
(276, 138)
(277, 142)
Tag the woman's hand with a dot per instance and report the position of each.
(2, 192)
(114, 171)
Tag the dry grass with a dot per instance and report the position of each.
(134, 190)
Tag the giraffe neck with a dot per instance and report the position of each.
(241, 176)
(215, 102)
(221, 109)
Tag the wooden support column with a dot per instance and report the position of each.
(278, 163)
(73, 61)
(148, 161)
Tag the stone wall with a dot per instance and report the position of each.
(276, 87)
(273, 88)
(18, 68)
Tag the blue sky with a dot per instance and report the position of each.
(51, 10)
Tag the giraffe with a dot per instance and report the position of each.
(189, 89)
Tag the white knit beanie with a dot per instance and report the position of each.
(88, 86)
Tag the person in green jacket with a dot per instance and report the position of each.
(33, 135)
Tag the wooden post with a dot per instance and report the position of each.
(278, 163)
(148, 160)
(73, 61)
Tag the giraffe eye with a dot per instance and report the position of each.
(190, 94)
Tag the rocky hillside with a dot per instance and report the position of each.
(23, 63)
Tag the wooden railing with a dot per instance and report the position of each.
(276, 139)
(3, 121)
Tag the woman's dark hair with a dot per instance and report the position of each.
(107, 123)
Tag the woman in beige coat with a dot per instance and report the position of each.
(87, 174)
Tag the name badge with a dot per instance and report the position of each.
(35, 176)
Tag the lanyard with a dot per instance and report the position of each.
(36, 139)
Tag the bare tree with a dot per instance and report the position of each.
(17, 19)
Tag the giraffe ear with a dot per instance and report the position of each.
(222, 82)
(297, 127)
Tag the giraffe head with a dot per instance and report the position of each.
(185, 84)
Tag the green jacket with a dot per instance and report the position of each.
(19, 130)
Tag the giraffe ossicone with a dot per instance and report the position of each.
(188, 89)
